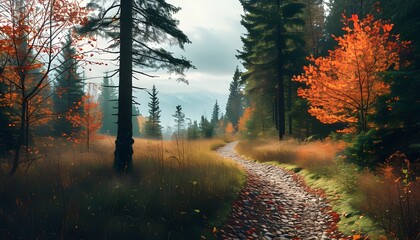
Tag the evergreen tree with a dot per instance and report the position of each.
(398, 114)
(193, 131)
(135, 121)
(107, 102)
(234, 102)
(153, 129)
(179, 120)
(206, 128)
(271, 48)
(215, 115)
(68, 88)
(139, 45)
(333, 24)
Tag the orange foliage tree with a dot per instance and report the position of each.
(31, 33)
(246, 116)
(230, 129)
(343, 86)
(88, 122)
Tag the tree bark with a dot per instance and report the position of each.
(124, 144)
(21, 138)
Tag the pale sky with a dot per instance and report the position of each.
(214, 30)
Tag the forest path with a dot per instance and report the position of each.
(276, 204)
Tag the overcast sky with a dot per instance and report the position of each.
(214, 30)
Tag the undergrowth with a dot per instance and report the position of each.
(176, 191)
(383, 204)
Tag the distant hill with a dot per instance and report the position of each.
(193, 104)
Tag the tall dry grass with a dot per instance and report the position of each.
(392, 197)
(174, 192)
(310, 155)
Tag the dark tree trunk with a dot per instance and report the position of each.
(280, 83)
(124, 144)
(289, 106)
(21, 139)
(281, 110)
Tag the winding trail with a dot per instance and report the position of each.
(274, 205)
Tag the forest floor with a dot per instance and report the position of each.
(276, 204)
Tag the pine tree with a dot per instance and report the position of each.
(234, 102)
(193, 131)
(179, 120)
(139, 45)
(272, 47)
(68, 88)
(215, 115)
(107, 102)
(153, 129)
(206, 128)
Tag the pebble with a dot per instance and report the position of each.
(273, 205)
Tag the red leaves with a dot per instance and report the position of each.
(89, 120)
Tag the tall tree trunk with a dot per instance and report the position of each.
(281, 110)
(124, 144)
(289, 106)
(21, 138)
(280, 81)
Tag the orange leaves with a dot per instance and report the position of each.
(343, 86)
(246, 116)
(88, 121)
(229, 128)
(387, 27)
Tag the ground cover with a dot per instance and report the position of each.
(176, 191)
(380, 204)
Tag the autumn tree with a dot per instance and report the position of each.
(245, 118)
(230, 129)
(31, 33)
(344, 86)
(88, 121)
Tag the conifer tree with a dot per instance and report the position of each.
(68, 88)
(234, 102)
(271, 48)
(179, 120)
(215, 115)
(193, 131)
(206, 128)
(108, 105)
(140, 44)
(153, 129)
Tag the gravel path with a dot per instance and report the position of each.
(275, 204)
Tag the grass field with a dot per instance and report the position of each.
(176, 191)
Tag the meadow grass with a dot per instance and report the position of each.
(345, 186)
(175, 191)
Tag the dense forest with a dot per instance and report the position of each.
(325, 90)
